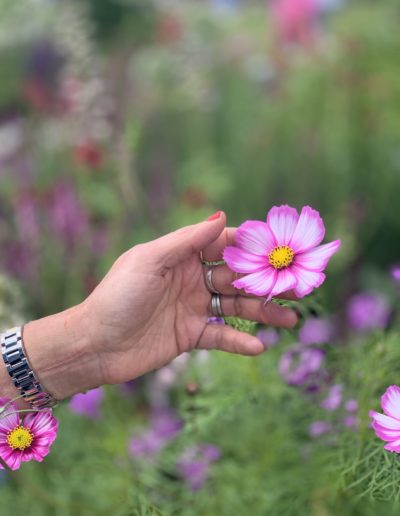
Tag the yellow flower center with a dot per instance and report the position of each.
(19, 438)
(281, 257)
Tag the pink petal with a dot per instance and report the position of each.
(393, 446)
(242, 261)
(282, 220)
(391, 401)
(41, 423)
(317, 259)
(309, 232)
(255, 237)
(285, 281)
(8, 422)
(259, 283)
(385, 434)
(307, 280)
(12, 458)
(385, 421)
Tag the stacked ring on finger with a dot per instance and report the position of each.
(216, 308)
(209, 282)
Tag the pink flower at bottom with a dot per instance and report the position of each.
(22, 440)
(387, 425)
(281, 254)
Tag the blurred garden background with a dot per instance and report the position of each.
(121, 120)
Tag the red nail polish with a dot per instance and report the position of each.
(215, 216)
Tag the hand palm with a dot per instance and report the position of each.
(153, 305)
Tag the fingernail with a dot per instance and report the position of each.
(215, 216)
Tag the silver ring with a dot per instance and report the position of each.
(216, 308)
(209, 282)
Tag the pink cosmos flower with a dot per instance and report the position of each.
(387, 425)
(26, 439)
(281, 254)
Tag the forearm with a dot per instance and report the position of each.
(59, 353)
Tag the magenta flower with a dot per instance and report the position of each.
(22, 440)
(368, 311)
(295, 19)
(87, 404)
(281, 254)
(387, 425)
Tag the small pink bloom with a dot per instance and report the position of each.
(22, 440)
(351, 422)
(295, 19)
(351, 405)
(387, 425)
(281, 254)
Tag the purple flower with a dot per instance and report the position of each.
(351, 405)
(164, 427)
(87, 404)
(318, 428)
(269, 337)
(368, 311)
(68, 216)
(315, 331)
(351, 422)
(334, 398)
(298, 365)
(395, 273)
(195, 462)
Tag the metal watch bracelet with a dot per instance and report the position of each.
(17, 365)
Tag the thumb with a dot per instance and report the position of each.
(181, 244)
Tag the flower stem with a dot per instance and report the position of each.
(3, 408)
(22, 410)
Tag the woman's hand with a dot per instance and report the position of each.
(151, 306)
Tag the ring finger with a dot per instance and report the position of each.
(255, 309)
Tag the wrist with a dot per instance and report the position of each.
(60, 353)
